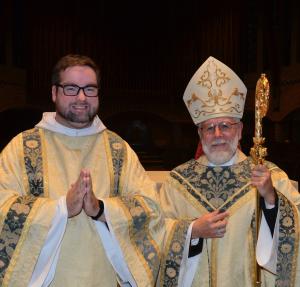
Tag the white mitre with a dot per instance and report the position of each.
(215, 91)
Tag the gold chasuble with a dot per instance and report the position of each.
(36, 169)
(194, 189)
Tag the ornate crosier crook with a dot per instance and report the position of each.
(258, 152)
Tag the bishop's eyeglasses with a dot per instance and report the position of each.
(73, 90)
(224, 127)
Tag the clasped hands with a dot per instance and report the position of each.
(81, 196)
(213, 224)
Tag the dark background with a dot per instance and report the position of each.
(147, 52)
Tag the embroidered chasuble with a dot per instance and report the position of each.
(37, 169)
(193, 189)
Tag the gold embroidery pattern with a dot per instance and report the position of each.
(12, 230)
(288, 247)
(215, 184)
(213, 74)
(139, 226)
(174, 257)
(118, 154)
(192, 191)
(33, 161)
(213, 78)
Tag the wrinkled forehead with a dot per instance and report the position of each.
(218, 120)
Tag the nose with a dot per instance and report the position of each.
(218, 132)
(81, 95)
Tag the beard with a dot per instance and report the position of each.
(219, 157)
(69, 114)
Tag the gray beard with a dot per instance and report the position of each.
(220, 157)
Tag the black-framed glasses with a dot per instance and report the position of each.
(72, 90)
(224, 127)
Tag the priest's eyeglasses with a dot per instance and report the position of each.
(224, 127)
(73, 90)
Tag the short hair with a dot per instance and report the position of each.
(72, 60)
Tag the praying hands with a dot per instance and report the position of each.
(81, 196)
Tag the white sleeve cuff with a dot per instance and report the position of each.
(45, 267)
(269, 206)
(114, 252)
(188, 266)
(266, 249)
(194, 241)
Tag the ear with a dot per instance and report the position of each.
(240, 130)
(199, 130)
(54, 93)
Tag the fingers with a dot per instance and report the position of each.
(75, 196)
(219, 215)
(86, 178)
(260, 174)
(90, 202)
(260, 168)
(218, 219)
(211, 225)
(220, 232)
(220, 223)
(261, 179)
(219, 226)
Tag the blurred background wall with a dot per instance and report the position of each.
(147, 52)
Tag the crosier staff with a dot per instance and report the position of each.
(258, 152)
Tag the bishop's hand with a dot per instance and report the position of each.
(261, 179)
(210, 225)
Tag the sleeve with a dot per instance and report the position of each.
(177, 268)
(283, 185)
(270, 214)
(44, 269)
(11, 171)
(277, 252)
(25, 219)
(172, 201)
(114, 254)
(135, 220)
(152, 245)
(180, 258)
(195, 249)
(266, 249)
(190, 261)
